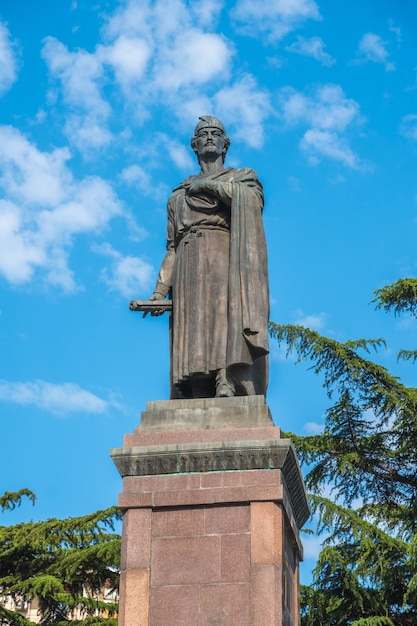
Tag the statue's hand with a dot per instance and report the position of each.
(201, 186)
(156, 312)
(194, 188)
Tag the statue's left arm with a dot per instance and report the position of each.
(222, 186)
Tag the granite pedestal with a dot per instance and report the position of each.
(212, 501)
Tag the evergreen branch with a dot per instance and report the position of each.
(11, 499)
(338, 518)
(342, 367)
(407, 355)
(399, 297)
(85, 604)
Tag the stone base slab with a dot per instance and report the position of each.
(205, 414)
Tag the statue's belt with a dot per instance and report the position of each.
(197, 231)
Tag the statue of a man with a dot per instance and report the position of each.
(216, 269)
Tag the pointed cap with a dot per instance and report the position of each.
(208, 121)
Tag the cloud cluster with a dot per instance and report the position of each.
(44, 208)
(275, 18)
(60, 399)
(408, 126)
(372, 48)
(250, 105)
(149, 50)
(80, 75)
(159, 52)
(314, 48)
(327, 114)
(128, 275)
(8, 60)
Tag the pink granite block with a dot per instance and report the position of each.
(252, 477)
(136, 539)
(266, 533)
(225, 605)
(135, 500)
(175, 606)
(190, 497)
(227, 519)
(200, 436)
(266, 594)
(164, 482)
(178, 522)
(134, 598)
(211, 479)
(213, 496)
(235, 558)
(188, 560)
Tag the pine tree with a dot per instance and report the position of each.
(62, 563)
(366, 574)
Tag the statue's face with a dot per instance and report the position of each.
(209, 142)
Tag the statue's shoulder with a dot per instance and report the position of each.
(185, 183)
(244, 173)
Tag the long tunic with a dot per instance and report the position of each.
(216, 265)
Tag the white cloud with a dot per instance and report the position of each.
(180, 154)
(57, 398)
(276, 18)
(136, 175)
(314, 48)
(44, 209)
(372, 48)
(8, 60)
(313, 428)
(149, 50)
(396, 30)
(80, 74)
(408, 126)
(246, 105)
(328, 114)
(194, 58)
(128, 57)
(319, 143)
(180, 52)
(316, 321)
(206, 11)
(130, 276)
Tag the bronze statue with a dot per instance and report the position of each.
(216, 269)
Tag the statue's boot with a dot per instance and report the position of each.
(224, 388)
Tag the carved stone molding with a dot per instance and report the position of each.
(218, 457)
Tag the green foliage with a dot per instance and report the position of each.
(11, 499)
(399, 297)
(62, 563)
(366, 574)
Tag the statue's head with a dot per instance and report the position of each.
(208, 121)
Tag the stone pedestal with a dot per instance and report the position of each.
(213, 500)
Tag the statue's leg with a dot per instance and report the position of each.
(224, 386)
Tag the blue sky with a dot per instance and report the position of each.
(98, 103)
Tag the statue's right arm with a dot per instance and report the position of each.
(164, 282)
